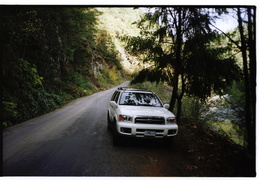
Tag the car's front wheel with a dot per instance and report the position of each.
(108, 122)
(116, 137)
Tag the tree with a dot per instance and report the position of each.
(41, 48)
(249, 68)
(246, 45)
(181, 53)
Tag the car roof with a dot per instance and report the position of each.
(130, 89)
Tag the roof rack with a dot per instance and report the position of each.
(133, 88)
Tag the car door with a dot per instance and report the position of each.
(114, 98)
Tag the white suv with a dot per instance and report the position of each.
(140, 113)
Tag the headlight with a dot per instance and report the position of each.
(124, 118)
(171, 120)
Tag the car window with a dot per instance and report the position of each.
(139, 99)
(113, 96)
(116, 97)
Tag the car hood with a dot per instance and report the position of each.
(145, 111)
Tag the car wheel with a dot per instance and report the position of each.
(108, 122)
(116, 137)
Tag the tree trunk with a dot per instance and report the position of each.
(250, 138)
(175, 92)
(179, 105)
(177, 66)
(252, 67)
(179, 109)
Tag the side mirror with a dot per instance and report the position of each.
(166, 106)
(113, 104)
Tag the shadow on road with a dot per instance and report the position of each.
(133, 142)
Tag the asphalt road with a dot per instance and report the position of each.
(74, 141)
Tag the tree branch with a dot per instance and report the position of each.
(239, 47)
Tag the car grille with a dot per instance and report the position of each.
(150, 120)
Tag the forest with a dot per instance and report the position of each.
(188, 52)
(53, 54)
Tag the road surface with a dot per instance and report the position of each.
(74, 141)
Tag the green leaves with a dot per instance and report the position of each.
(177, 42)
(9, 112)
(208, 68)
(28, 73)
(48, 53)
(40, 46)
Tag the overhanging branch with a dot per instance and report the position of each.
(239, 47)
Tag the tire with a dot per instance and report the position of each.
(116, 137)
(116, 140)
(108, 122)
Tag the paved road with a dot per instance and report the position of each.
(74, 141)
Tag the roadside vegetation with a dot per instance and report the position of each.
(211, 73)
(52, 55)
(220, 115)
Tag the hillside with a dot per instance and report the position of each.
(115, 22)
(56, 54)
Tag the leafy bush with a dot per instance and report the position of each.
(30, 99)
(9, 113)
(29, 104)
(192, 108)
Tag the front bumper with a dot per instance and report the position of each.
(146, 130)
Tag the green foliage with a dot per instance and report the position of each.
(232, 130)
(112, 24)
(226, 117)
(195, 112)
(28, 74)
(118, 21)
(47, 56)
(77, 85)
(109, 77)
(198, 60)
(28, 104)
(107, 48)
(9, 112)
(181, 53)
(29, 99)
(237, 97)
(192, 106)
(192, 109)
(208, 69)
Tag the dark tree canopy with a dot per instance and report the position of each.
(177, 40)
(47, 55)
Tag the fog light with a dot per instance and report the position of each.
(126, 130)
(172, 131)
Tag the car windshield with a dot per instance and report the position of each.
(139, 99)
